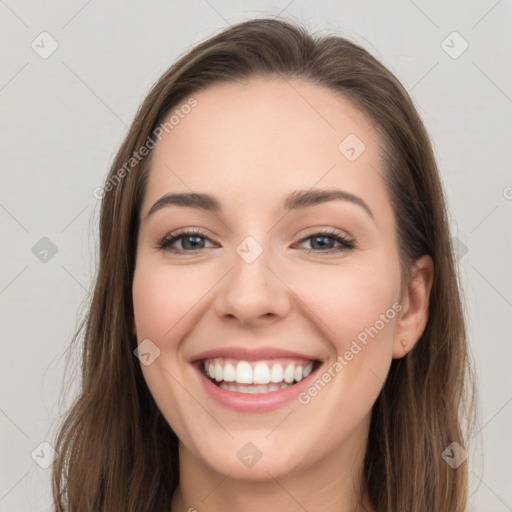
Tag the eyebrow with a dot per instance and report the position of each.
(297, 200)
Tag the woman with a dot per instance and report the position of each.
(276, 322)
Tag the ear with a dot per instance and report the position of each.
(415, 301)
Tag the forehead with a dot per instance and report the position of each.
(260, 139)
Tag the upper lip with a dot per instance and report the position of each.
(248, 354)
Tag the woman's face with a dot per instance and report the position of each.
(293, 305)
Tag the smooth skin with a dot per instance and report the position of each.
(250, 145)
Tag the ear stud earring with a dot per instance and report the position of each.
(404, 344)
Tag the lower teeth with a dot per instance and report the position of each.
(253, 388)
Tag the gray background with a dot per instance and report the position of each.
(64, 116)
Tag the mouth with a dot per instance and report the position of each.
(256, 376)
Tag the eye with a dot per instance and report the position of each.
(194, 240)
(190, 241)
(325, 240)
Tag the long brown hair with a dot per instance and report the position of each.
(115, 449)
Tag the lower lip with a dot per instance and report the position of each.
(254, 402)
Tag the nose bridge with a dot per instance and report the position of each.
(251, 289)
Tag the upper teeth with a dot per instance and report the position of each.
(256, 372)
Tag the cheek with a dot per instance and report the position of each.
(358, 312)
(162, 297)
(161, 301)
(350, 300)
(356, 309)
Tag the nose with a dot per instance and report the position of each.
(253, 293)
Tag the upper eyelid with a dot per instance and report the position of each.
(303, 234)
(324, 231)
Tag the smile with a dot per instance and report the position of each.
(256, 376)
(254, 380)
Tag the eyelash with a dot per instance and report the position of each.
(165, 243)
